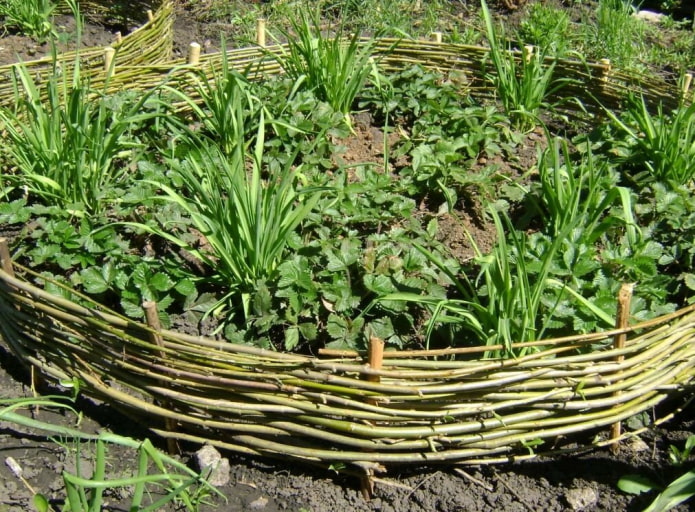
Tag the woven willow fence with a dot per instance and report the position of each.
(365, 411)
(414, 407)
(592, 86)
(150, 44)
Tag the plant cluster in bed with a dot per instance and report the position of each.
(228, 201)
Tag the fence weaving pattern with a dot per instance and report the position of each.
(419, 408)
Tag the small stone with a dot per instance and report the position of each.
(650, 16)
(213, 466)
(636, 445)
(581, 498)
(258, 503)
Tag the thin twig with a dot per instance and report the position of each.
(475, 480)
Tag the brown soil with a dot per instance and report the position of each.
(579, 482)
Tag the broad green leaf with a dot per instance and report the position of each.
(636, 484)
(676, 493)
(41, 503)
(161, 282)
(95, 280)
(308, 330)
(291, 338)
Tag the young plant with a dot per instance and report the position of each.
(678, 491)
(214, 101)
(575, 195)
(523, 84)
(548, 28)
(616, 34)
(244, 212)
(155, 471)
(335, 67)
(65, 140)
(664, 144)
(29, 17)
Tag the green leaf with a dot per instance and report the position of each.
(41, 503)
(676, 493)
(636, 484)
(291, 338)
(379, 284)
(132, 309)
(336, 326)
(308, 330)
(161, 282)
(185, 287)
(97, 280)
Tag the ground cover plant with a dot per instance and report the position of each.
(242, 218)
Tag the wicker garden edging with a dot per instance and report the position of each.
(149, 44)
(423, 409)
(419, 407)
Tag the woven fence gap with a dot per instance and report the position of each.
(621, 322)
(5, 259)
(193, 54)
(260, 31)
(153, 322)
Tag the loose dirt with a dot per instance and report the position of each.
(574, 482)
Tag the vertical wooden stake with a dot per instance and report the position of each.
(150, 16)
(109, 66)
(436, 37)
(529, 49)
(685, 88)
(375, 356)
(621, 322)
(375, 359)
(5, 258)
(194, 54)
(153, 322)
(119, 38)
(260, 31)
(605, 71)
(367, 485)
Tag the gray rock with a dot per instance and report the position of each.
(650, 16)
(213, 466)
(581, 498)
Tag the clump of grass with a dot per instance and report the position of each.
(335, 67)
(616, 34)
(523, 84)
(64, 139)
(245, 211)
(664, 144)
(29, 17)
(548, 28)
